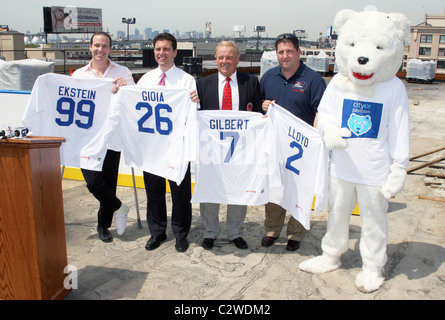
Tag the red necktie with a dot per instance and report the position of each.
(162, 82)
(227, 96)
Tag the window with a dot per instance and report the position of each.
(424, 51)
(440, 64)
(442, 39)
(426, 38)
(441, 52)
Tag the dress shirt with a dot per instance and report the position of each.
(234, 88)
(113, 71)
(174, 77)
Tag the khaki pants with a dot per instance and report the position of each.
(274, 222)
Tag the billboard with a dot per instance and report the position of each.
(300, 33)
(239, 28)
(129, 20)
(71, 19)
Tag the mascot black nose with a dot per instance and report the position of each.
(363, 60)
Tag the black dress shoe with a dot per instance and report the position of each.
(155, 241)
(293, 245)
(104, 234)
(268, 241)
(207, 243)
(240, 243)
(181, 244)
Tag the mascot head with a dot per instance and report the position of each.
(369, 46)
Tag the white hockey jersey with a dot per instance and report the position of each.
(303, 162)
(235, 162)
(76, 109)
(150, 124)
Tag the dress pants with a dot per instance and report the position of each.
(274, 222)
(181, 220)
(103, 184)
(236, 214)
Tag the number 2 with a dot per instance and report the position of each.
(297, 156)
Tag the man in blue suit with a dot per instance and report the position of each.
(228, 89)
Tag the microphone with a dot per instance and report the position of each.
(13, 133)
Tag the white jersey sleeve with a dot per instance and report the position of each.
(303, 163)
(151, 123)
(76, 109)
(235, 163)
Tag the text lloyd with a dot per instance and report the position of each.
(297, 136)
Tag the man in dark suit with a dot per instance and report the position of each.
(227, 90)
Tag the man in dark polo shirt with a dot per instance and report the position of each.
(299, 89)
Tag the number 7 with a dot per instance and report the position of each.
(235, 135)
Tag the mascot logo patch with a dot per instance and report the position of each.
(362, 118)
(359, 125)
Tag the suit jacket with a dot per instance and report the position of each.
(249, 92)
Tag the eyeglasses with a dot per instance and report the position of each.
(285, 36)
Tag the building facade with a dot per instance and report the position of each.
(12, 46)
(427, 41)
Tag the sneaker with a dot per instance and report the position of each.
(120, 218)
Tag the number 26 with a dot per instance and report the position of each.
(159, 120)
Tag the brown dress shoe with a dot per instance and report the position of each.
(293, 245)
(268, 241)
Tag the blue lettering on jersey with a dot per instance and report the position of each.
(228, 124)
(77, 93)
(299, 141)
(298, 136)
(152, 96)
(362, 118)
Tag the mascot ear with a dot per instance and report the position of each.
(341, 17)
(401, 23)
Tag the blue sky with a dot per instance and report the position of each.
(277, 16)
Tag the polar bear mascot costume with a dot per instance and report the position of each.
(364, 119)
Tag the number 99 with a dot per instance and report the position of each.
(85, 108)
